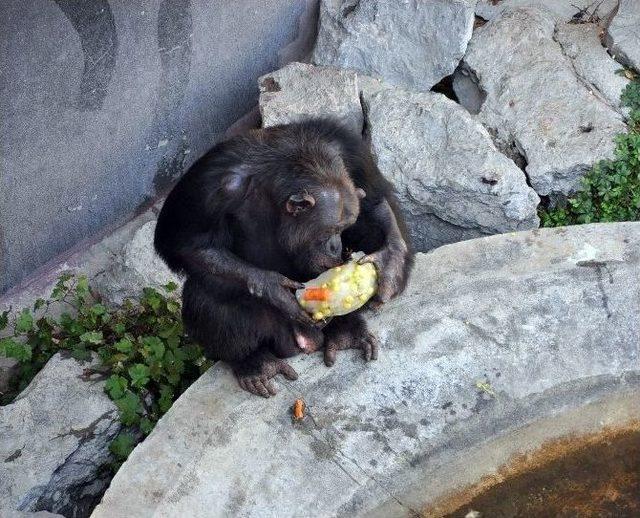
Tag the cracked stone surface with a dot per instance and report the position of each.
(563, 10)
(133, 267)
(54, 441)
(591, 61)
(623, 33)
(300, 91)
(491, 335)
(444, 166)
(412, 44)
(536, 102)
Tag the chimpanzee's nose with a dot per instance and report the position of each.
(334, 246)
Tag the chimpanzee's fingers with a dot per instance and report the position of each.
(259, 388)
(330, 352)
(268, 384)
(366, 349)
(374, 346)
(287, 371)
(371, 258)
(243, 384)
(288, 283)
(370, 346)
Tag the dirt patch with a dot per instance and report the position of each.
(593, 476)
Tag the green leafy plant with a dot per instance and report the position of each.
(610, 191)
(144, 354)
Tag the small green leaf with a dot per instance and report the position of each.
(24, 321)
(171, 286)
(139, 375)
(122, 445)
(146, 425)
(154, 347)
(124, 345)
(38, 304)
(98, 309)
(16, 350)
(92, 337)
(129, 406)
(80, 353)
(116, 386)
(166, 398)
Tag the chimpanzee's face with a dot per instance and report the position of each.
(314, 220)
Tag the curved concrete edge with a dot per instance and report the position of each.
(452, 484)
(492, 335)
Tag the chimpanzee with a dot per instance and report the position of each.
(259, 214)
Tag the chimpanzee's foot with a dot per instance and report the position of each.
(349, 333)
(254, 373)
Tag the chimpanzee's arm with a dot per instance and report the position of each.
(193, 238)
(394, 259)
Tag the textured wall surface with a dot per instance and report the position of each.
(103, 103)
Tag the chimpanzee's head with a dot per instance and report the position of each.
(317, 204)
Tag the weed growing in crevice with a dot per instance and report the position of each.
(145, 356)
(610, 191)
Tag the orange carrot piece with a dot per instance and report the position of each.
(298, 409)
(319, 294)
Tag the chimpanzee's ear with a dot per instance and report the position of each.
(360, 193)
(298, 203)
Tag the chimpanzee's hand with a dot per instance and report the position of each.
(390, 263)
(276, 290)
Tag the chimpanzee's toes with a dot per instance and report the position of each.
(370, 345)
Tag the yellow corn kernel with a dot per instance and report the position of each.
(348, 299)
(324, 306)
(318, 315)
(362, 297)
(346, 305)
(325, 285)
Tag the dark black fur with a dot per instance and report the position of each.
(225, 226)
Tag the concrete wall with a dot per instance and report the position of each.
(103, 104)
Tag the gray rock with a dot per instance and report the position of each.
(623, 33)
(54, 441)
(135, 267)
(8, 371)
(412, 44)
(9, 513)
(443, 165)
(535, 102)
(514, 332)
(591, 62)
(300, 91)
(467, 90)
(563, 10)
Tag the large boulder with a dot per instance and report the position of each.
(412, 44)
(623, 33)
(536, 103)
(133, 267)
(491, 335)
(300, 91)
(444, 166)
(54, 441)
